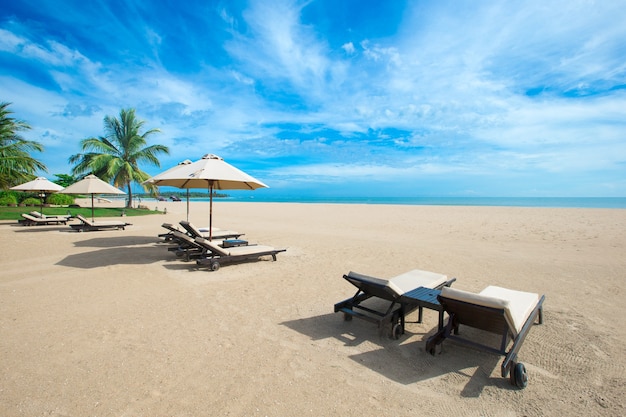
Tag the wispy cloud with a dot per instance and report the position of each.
(497, 98)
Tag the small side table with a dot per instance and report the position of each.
(229, 243)
(421, 297)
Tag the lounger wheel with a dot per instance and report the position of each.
(396, 331)
(519, 376)
(347, 317)
(215, 266)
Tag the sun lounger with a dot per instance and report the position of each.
(46, 216)
(216, 254)
(218, 234)
(392, 290)
(501, 311)
(88, 225)
(186, 246)
(30, 220)
(169, 236)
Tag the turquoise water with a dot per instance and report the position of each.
(572, 202)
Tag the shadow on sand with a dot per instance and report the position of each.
(407, 362)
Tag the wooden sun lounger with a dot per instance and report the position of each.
(169, 236)
(394, 291)
(186, 246)
(497, 310)
(46, 216)
(216, 254)
(218, 234)
(88, 226)
(30, 220)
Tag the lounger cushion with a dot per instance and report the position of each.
(520, 304)
(414, 279)
(517, 305)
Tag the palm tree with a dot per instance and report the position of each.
(116, 156)
(16, 163)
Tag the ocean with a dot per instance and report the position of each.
(565, 202)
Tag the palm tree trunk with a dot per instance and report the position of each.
(129, 203)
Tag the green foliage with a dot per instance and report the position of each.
(65, 180)
(117, 155)
(15, 213)
(31, 201)
(8, 199)
(16, 163)
(60, 199)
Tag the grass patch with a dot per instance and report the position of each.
(14, 213)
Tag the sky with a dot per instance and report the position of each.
(337, 97)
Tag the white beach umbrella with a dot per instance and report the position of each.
(39, 185)
(210, 172)
(155, 180)
(92, 185)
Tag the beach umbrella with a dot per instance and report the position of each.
(210, 172)
(155, 180)
(92, 185)
(40, 185)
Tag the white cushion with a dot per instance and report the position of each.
(517, 305)
(520, 304)
(416, 278)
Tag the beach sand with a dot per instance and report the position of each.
(112, 324)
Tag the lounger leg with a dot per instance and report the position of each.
(441, 334)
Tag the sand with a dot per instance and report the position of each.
(112, 324)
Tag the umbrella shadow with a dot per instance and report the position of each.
(121, 255)
(406, 363)
(115, 241)
(42, 228)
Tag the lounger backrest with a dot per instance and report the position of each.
(84, 220)
(520, 304)
(193, 230)
(516, 306)
(31, 218)
(183, 236)
(377, 287)
(168, 226)
(36, 214)
(213, 247)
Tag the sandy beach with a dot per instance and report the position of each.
(110, 323)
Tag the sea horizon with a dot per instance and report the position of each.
(555, 202)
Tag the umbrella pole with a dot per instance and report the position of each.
(210, 210)
(187, 204)
(92, 216)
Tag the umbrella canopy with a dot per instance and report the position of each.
(156, 179)
(210, 172)
(40, 185)
(92, 185)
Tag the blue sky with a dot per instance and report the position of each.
(337, 97)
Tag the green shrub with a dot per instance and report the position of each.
(8, 200)
(31, 201)
(60, 199)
